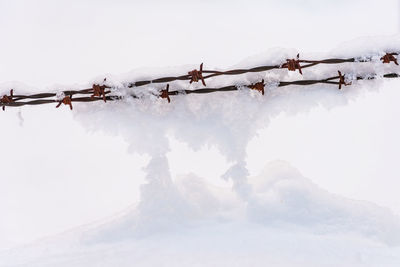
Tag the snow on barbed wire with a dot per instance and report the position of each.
(227, 120)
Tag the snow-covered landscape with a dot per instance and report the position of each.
(299, 176)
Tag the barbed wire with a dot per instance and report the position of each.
(102, 92)
(291, 65)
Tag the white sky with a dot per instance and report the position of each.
(54, 173)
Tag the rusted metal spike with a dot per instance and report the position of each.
(7, 99)
(342, 80)
(99, 91)
(197, 75)
(293, 64)
(259, 86)
(164, 94)
(389, 57)
(66, 101)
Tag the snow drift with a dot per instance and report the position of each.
(287, 221)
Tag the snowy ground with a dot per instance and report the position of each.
(288, 221)
(331, 200)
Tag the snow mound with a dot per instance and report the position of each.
(284, 197)
(281, 197)
(287, 220)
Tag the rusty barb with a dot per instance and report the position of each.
(99, 91)
(293, 64)
(67, 100)
(259, 86)
(165, 94)
(197, 75)
(342, 80)
(7, 99)
(390, 57)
